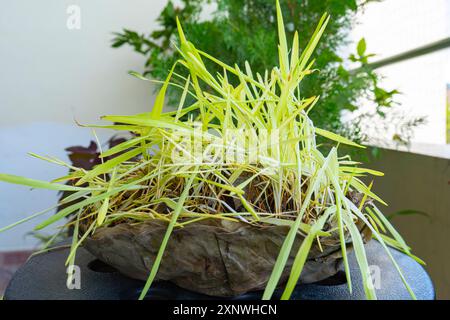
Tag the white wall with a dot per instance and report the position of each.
(391, 27)
(49, 76)
(51, 73)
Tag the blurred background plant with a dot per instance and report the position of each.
(237, 31)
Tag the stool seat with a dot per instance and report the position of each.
(44, 277)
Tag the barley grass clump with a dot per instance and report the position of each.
(244, 153)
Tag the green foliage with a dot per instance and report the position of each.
(237, 32)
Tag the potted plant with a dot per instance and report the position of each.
(229, 194)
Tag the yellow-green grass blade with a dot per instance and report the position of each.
(394, 244)
(361, 170)
(183, 98)
(123, 146)
(333, 175)
(303, 252)
(71, 258)
(364, 198)
(40, 213)
(308, 51)
(248, 207)
(375, 219)
(221, 185)
(141, 77)
(38, 184)
(52, 160)
(351, 206)
(147, 122)
(109, 165)
(339, 214)
(165, 240)
(282, 47)
(377, 236)
(73, 175)
(138, 75)
(74, 196)
(391, 229)
(233, 71)
(116, 127)
(361, 259)
(361, 187)
(76, 242)
(105, 205)
(93, 199)
(294, 51)
(290, 238)
(159, 101)
(180, 32)
(336, 137)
